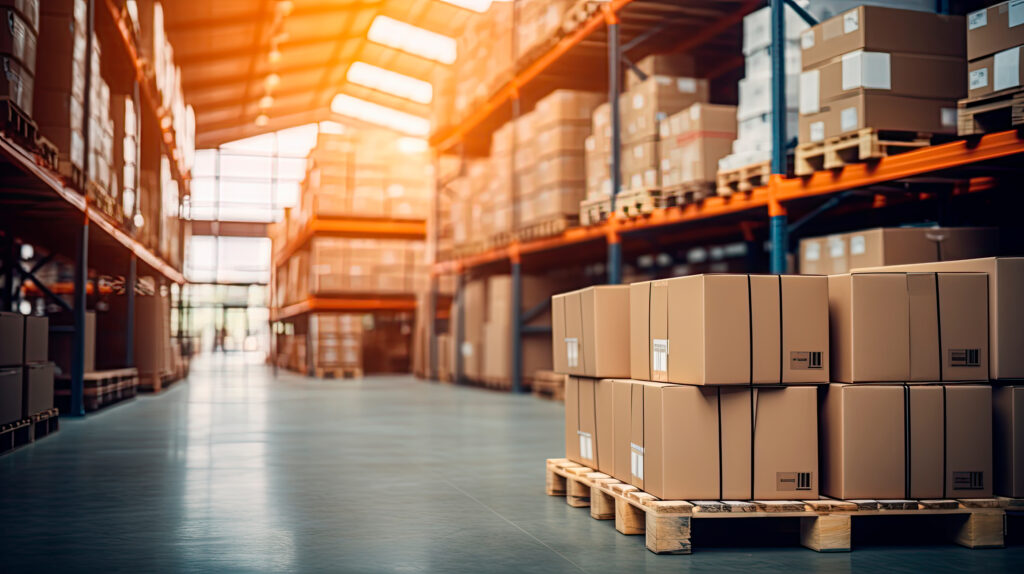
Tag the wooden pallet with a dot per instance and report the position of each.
(594, 211)
(549, 385)
(73, 175)
(686, 193)
(15, 435)
(638, 202)
(155, 382)
(338, 372)
(578, 14)
(49, 155)
(45, 423)
(825, 524)
(994, 113)
(17, 124)
(546, 228)
(743, 179)
(100, 388)
(856, 147)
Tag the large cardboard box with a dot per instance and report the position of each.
(646, 104)
(604, 424)
(12, 342)
(675, 65)
(37, 338)
(474, 320)
(894, 246)
(898, 327)
(681, 442)
(693, 140)
(1005, 307)
(906, 441)
(623, 464)
(37, 392)
(581, 440)
(785, 443)
(879, 111)
(995, 73)
(731, 330)
(592, 322)
(994, 29)
(10, 394)
(1008, 440)
(882, 29)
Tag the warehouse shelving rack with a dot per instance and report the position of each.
(961, 166)
(42, 210)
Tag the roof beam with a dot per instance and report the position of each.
(207, 24)
(202, 57)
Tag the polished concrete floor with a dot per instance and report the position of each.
(235, 471)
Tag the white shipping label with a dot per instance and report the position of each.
(467, 349)
(638, 152)
(659, 358)
(978, 79)
(809, 97)
(695, 112)
(1006, 69)
(836, 247)
(848, 120)
(686, 85)
(818, 131)
(977, 19)
(858, 245)
(807, 40)
(638, 102)
(851, 21)
(948, 117)
(572, 351)
(637, 180)
(813, 251)
(636, 460)
(586, 445)
(1016, 13)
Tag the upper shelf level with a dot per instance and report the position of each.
(353, 228)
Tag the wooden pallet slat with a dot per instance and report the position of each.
(743, 179)
(856, 147)
(687, 193)
(996, 112)
(825, 524)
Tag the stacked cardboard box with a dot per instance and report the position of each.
(693, 141)
(18, 45)
(26, 374)
(337, 342)
(537, 24)
(881, 68)
(753, 143)
(60, 80)
(126, 154)
(995, 40)
(894, 246)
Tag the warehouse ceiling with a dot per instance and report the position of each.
(228, 49)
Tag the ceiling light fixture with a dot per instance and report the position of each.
(370, 112)
(262, 120)
(391, 82)
(411, 39)
(274, 56)
(266, 102)
(272, 81)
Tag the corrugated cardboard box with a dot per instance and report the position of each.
(876, 28)
(581, 443)
(593, 321)
(692, 142)
(894, 246)
(1005, 307)
(37, 339)
(12, 342)
(10, 394)
(732, 329)
(897, 327)
(675, 65)
(680, 442)
(878, 111)
(785, 442)
(994, 29)
(622, 410)
(995, 73)
(645, 105)
(1008, 440)
(572, 418)
(37, 392)
(604, 413)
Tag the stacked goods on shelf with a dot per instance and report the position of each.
(26, 375)
(102, 187)
(336, 344)
(484, 63)
(537, 25)
(842, 252)
(877, 81)
(126, 154)
(691, 144)
(154, 356)
(753, 145)
(18, 46)
(735, 364)
(355, 174)
(60, 83)
(995, 39)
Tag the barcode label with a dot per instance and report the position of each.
(636, 460)
(794, 481)
(659, 359)
(977, 19)
(801, 360)
(586, 445)
(968, 480)
(572, 351)
(965, 357)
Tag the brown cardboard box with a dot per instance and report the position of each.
(10, 394)
(867, 344)
(892, 73)
(622, 405)
(37, 338)
(882, 29)
(894, 246)
(697, 326)
(640, 331)
(968, 449)
(862, 442)
(680, 433)
(586, 431)
(572, 418)
(646, 104)
(1008, 440)
(594, 320)
(785, 443)
(473, 328)
(985, 78)
(879, 111)
(994, 29)
(12, 342)
(560, 363)
(604, 412)
(1005, 307)
(693, 140)
(37, 392)
(675, 65)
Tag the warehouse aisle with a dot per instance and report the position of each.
(234, 471)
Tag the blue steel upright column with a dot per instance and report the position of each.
(614, 66)
(517, 323)
(777, 213)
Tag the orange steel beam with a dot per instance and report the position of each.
(346, 304)
(354, 228)
(904, 165)
(450, 138)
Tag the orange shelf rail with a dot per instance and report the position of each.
(353, 227)
(353, 303)
(906, 165)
